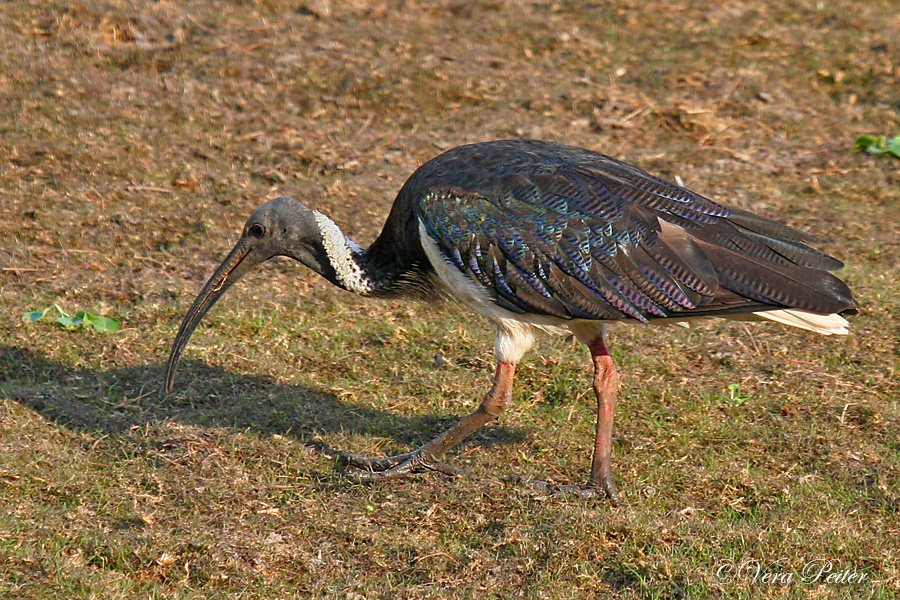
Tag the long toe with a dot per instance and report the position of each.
(544, 490)
(413, 463)
(372, 463)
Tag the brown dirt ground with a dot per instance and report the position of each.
(135, 138)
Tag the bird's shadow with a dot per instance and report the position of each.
(109, 402)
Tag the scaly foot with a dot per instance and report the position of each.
(392, 467)
(543, 490)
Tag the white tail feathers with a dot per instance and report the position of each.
(832, 324)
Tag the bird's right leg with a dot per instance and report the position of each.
(606, 383)
(426, 457)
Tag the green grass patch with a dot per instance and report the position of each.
(137, 139)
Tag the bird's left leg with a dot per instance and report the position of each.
(426, 457)
(606, 383)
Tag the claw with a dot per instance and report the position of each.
(606, 486)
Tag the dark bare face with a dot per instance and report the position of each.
(280, 227)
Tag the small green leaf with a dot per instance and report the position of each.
(893, 146)
(81, 320)
(35, 315)
(735, 394)
(98, 323)
(879, 144)
(866, 141)
(104, 324)
(70, 322)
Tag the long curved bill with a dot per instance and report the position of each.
(241, 259)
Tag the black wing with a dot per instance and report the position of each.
(557, 230)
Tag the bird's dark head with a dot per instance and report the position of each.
(280, 227)
(284, 227)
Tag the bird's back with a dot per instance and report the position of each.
(555, 230)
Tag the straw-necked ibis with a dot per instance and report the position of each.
(539, 236)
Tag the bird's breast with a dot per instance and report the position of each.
(451, 280)
(469, 292)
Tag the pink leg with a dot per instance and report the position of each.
(426, 457)
(606, 383)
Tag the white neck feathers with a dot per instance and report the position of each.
(342, 253)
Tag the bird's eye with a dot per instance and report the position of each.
(256, 231)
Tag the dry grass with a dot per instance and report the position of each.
(136, 137)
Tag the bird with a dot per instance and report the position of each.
(543, 237)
